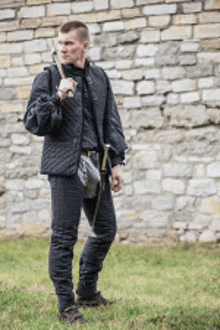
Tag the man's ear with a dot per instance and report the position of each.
(86, 45)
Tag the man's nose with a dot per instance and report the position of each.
(62, 48)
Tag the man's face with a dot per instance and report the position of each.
(71, 49)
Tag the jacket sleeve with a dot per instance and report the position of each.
(113, 131)
(43, 114)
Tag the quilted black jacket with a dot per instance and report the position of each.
(61, 122)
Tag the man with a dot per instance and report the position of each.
(73, 127)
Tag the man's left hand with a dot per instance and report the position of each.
(117, 178)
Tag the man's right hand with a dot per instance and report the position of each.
(65, 86)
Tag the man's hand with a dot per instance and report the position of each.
(65, 86)
(117, 178)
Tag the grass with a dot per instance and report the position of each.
(158, 286)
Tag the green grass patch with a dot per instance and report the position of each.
(158, 286)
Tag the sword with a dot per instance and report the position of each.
(60, 68)
(103, 173)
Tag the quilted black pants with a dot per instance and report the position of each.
(67, 202)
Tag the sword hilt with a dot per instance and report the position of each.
(105, 157)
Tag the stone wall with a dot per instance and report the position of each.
(164, 62)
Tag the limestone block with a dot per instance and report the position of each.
(180, 225)
(148, 118)
(95, 53)
(189, 47)
(187, 59)
(30, 12)
(45, 32)
(214, 115)
(113, 26)
(178, 170)
(146, 160)
(108, 16)
(7, 13)
(209, 17)
(52, 21)
(32, 229)
(33, 58)
(184, 85)
(173, 99)
(185, 202)
(153, 100)
(211, 95)
(154, 175)
(152, 73)
(144, 62)
(121, 3)
(114, 74)
(159, 21)
(135, 23)
(163, 86)
(189, 237)
(155, 219)
(133, 74)
(172, 73)
(206, 82)
(150, 35)
(199, 70)
(145, 87)
(206, 31)
(130, 12)
(128, 37)
(123, 87)
(20, 35)
(35, 46)
(84, 6)
(106, 65)
(202, 187)
(201, 221)
(163, 202)
(212, 4)
(174, 186)
(20, 139)
(3, 36)
(184, 19)
(194, 7)
(147, 50)
(190, 97)
(11, 107)
(17, 61)
(20, 150)
(186, 115)
(11, 48)
(160, 10)
(209, 57)
(100, 4)
(132, 102)
(215, 225)
(7, 93)
(212, 44)
(177, 33)
(2, 223)
(147, 187)
(207, 236)
(36, 2)
(213, 170)
(57, 9)
(14, 184)
(17, 72)
(9, 25)
(5, 61)
(143, 2)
